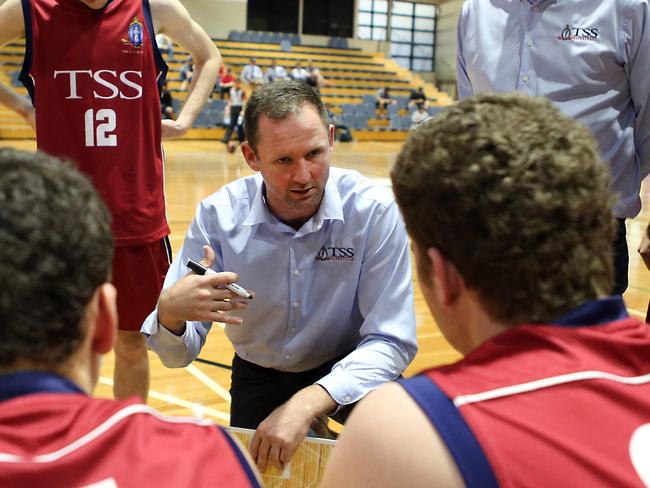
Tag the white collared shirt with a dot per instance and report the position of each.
(592, 59)
(339, 285)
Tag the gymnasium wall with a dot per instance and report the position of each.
(445, 56)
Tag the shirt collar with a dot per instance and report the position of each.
(595, 312)
(21, 383)
(330, 208)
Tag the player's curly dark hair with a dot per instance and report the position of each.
(514, 194)
(56, 248)
(277, 101)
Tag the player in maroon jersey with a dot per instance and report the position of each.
(507, 205)
(94, 73)
(57, 318)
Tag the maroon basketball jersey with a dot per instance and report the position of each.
(67, 439)
(548, 405)
(95, 77)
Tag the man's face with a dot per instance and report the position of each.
(293, 155)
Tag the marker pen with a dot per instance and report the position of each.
(233, 287)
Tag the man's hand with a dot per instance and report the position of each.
(199, 298)
(280, 434)
(644, 248)
(172, 129)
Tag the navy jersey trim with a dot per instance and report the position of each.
(241, 458)
(157, 56)
(595, 312)
(24, 77)
(454, 431)
(13, 385)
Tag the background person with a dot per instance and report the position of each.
(275, 72)
(591, 62)
(252, 74)
(383, 98)
(509, 213)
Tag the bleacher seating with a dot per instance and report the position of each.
(353, 76)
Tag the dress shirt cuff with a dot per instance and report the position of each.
(152, 327)
(343, 389)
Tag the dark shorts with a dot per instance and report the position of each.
(138, 275)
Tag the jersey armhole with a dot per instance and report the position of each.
(240, 457)
(157, 56)
(454, 431)
(24, 77)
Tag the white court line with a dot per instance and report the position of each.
(636, 313)
(209, 382)
(196, 409)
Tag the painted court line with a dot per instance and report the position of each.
(196, 409)
(209, 382)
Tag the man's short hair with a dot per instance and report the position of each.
(513, 193)
(56, 248)
(277, 101)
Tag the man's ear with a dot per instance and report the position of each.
(331, 131)
(447, 281)
(105, 329)
(250, 156)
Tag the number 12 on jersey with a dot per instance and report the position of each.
(98, 126)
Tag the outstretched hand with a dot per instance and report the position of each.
(200, 298)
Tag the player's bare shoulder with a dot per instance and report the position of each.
(166, 13)
(12, 24)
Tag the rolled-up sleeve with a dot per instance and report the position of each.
(385, 292)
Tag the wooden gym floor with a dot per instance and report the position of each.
(195, 169)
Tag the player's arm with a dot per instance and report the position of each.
(389, 442)
(171, 18)
(12, 26)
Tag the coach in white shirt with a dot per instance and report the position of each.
(326, 254)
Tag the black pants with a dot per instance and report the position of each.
(234, 115)
(257, 391)
(621, 259)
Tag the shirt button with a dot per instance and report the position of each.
(296, 272)
(295, 304)
(524, 78)
(536, 9)
(348, 398)
(293, 329)
(287, 357)
(530, 43)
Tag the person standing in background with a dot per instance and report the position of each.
(84, 100)
(591, 59)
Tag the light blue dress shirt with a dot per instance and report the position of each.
(340, 285)
(590, 57)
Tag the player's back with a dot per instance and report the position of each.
(542, 405)
(69, 439)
